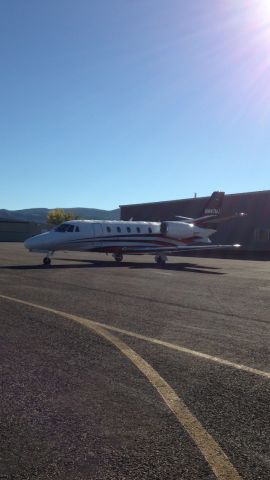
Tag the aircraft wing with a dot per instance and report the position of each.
(179, 249)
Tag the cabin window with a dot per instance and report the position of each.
(118, 229)
(138, 230)
(108, 229)
(77, 229)
(70, 228)
(150, 230)
(128, 229)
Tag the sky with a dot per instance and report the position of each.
(129, 101)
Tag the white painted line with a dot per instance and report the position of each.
(189, 351)
(163, 273)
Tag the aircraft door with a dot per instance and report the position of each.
(98, 232)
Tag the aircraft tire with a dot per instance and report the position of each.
(118, 257)
(161, 261)
(46, 261)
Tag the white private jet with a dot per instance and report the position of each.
(134, 237)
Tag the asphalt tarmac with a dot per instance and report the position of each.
(173, 385)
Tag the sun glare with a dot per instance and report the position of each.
(263, 7)
(244, 57)
(254, 54)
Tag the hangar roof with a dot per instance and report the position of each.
(194, 198)
(12, 220)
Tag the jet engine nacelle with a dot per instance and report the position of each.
(176, 229)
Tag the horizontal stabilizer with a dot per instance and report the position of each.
(184, 219)
(212, 220)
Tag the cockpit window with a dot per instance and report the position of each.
(65, 227)
(61, 228)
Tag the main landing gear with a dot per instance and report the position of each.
(47, 259)
(161, 259)
(118, 257)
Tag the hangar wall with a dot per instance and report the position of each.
(18, 231)
(252, 231)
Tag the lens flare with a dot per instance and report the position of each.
(263, 7)
(245, 53)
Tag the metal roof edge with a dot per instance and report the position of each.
(257, 192)
(11, 220)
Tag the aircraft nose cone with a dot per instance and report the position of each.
(28, 243)
(42, 242)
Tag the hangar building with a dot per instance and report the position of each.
(251, 231)
(17, 231)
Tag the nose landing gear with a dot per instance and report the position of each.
(47, 259)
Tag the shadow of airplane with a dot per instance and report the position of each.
(188, 267)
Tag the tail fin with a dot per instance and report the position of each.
(213, 205)
(212, 217)
(212, 209)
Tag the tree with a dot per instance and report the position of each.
(58, 215)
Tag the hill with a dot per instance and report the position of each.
(39, 215)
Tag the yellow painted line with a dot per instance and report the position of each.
(209, 448)
(173, 346)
